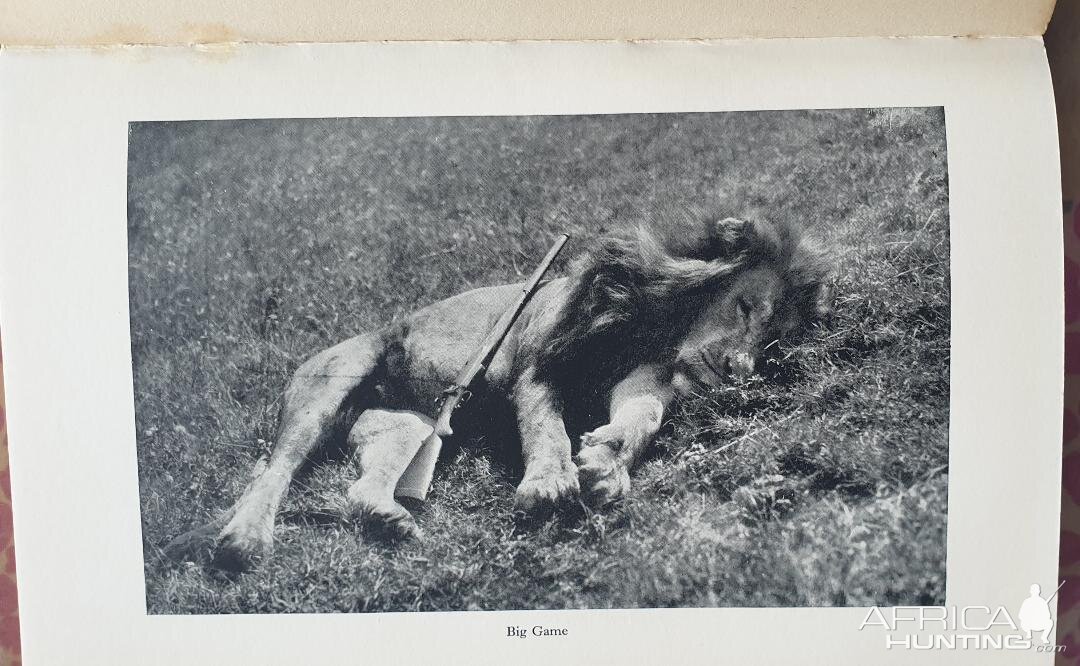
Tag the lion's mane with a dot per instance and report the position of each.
(632, 295)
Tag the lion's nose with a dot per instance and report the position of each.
(740, 365)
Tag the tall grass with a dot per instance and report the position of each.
(254, 244)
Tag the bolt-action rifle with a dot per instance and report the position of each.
(416, 480)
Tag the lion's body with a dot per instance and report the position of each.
(428, 349)
(610, 346)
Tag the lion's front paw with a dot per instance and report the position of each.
(543, 491)
(603, 477)
(609, 434)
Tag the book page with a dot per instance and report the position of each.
(797, 369)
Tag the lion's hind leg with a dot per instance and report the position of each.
(386, 441)
(323, 394)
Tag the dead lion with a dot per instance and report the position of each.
(642, 318)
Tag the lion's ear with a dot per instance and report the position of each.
(732, 235)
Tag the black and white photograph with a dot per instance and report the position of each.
(453, 363)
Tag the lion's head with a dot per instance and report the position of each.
(709, 297)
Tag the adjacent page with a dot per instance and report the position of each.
(797, 369)
(116, 22)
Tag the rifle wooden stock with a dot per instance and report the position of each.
(416, 480)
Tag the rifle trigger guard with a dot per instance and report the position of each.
(451, 390)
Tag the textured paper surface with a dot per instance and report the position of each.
(64, 291)
(100, 22)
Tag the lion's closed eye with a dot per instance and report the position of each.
(744, 308)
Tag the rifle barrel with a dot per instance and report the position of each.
(498, 332)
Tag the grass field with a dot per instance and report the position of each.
(255, 244)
